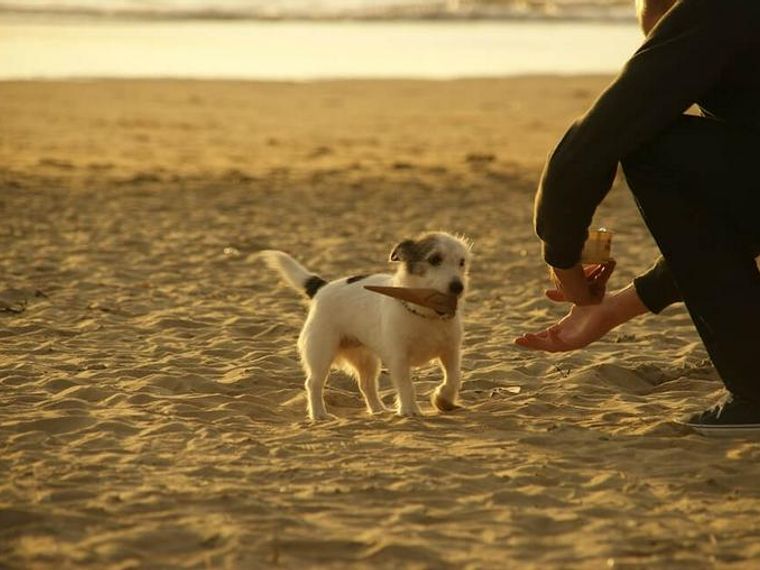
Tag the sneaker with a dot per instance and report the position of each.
(733, 417)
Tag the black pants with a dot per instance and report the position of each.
(698, 188)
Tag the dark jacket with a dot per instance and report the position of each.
(703, 51)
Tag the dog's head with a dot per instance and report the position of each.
(434, 260)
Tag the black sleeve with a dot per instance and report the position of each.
(656, 288)
(680, 61)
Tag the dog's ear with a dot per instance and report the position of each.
(402, 251)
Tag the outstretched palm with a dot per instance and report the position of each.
(585, 324)
(579, 328)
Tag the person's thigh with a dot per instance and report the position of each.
(716, 162)
(698, 192)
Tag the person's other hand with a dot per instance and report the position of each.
(579, 328)
(580, 285)
(584, 325)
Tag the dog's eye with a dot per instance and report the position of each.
(461, 262)
(435, 259)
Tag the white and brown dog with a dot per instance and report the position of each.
(355, 329)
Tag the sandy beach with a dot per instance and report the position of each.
(152, 412)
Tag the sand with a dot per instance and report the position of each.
(151, 404)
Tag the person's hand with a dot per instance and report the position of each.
(584, 325)
(579, 328)
(580, 285)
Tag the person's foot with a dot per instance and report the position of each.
(733, 417)
(585, 324)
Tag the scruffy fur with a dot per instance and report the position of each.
(354, 329)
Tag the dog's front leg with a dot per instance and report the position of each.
(445, 396)
(406, 395)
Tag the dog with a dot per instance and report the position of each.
(351, 328)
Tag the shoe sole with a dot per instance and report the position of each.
(725, 431)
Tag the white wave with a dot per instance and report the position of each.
(327, 9)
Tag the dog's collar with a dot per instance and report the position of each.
(436, 316)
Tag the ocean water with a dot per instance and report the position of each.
(320, 9)
(313, 39)
(75, 47)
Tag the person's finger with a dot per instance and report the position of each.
(600, 270)
(547, 341)
(606, 270)
(537, 335)
(574, 285)
(598, 284)
(555, 295)
(532, 342)
(591, 271)
(529, 339)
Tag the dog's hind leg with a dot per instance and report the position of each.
(317, 353)
(367, 367)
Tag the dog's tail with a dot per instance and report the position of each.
(294, 273)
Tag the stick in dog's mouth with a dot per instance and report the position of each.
(441, 303)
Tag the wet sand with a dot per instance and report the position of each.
(151, 405)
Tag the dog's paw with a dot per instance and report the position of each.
(443, 404)
(321, 417)
(409, 412)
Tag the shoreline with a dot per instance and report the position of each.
(390, 12)
(310, 50)
(95, 17)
